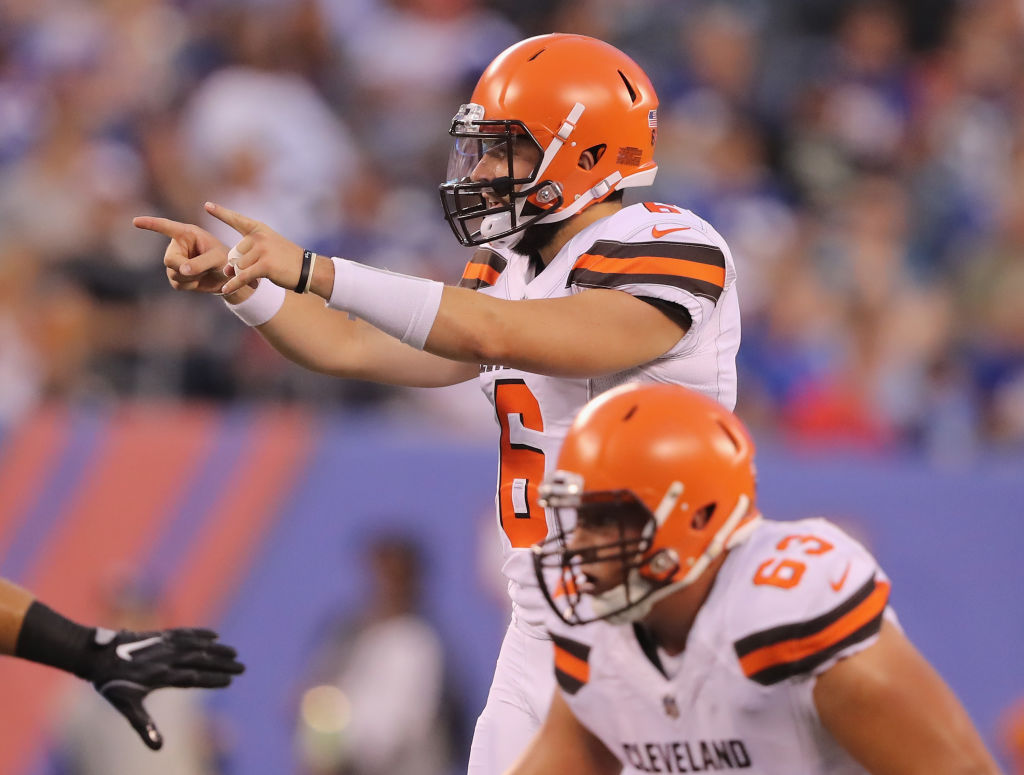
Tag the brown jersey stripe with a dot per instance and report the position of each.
(587, 279)
(574, 647)
(783, 670)
(684, 251)
(653, 265)
(569, 684)
(483, 269)
(781, 652)
(572, 670)
(787, 632)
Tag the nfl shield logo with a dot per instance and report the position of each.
(671, 706)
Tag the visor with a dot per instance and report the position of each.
(474, 218)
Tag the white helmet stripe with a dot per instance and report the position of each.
(563, 133)
(556, 145)
(668, 502)
(718, 542)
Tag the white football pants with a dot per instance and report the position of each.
(517, 704)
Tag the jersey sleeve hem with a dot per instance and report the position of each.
(695, 268)
(483, 269)
(789, 650)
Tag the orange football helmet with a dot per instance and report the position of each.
(673, 470)
(563, 94)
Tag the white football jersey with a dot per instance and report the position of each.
(788, 603)
(652, 251)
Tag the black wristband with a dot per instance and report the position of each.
(307, 264)
(50, 639)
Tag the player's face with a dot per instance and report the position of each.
(606, 542)
(493, 165)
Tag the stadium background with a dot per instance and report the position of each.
(864, 159)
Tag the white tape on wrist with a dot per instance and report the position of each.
(234, 255)
(262, 304)
(400, 305)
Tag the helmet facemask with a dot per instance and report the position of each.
(650, 569)
(614, 573)
(499, 209)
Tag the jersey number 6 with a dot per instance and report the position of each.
(521, 465)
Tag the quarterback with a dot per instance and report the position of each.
(693, 635)
(568, 294)
(124, 666)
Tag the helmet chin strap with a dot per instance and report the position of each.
(616, 604)
(496, 224)
(502, 222)
(615, 180)
(632, 600)
(598, 191)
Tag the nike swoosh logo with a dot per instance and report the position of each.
(837, 585)
(659, 233)
(125, 650)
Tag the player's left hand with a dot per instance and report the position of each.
(126, 666)
(261, 252)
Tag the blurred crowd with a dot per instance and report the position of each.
(864, 159)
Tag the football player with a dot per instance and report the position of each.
(568, 294)
(124, 666)
(694, 635)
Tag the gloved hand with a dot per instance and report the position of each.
(126, 666)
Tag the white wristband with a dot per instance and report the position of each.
(400, 305)
(262, 304)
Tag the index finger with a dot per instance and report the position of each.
(165, 226)
(240, 223)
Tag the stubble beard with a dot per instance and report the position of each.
(536, 238)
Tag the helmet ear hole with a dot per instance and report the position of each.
(702, 517)
(591, 156)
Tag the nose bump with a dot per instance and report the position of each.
(483, 171)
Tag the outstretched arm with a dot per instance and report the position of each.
(14, 602)
(591, 333)
(563, 744)
(303, 330)
(124, 666)
(894, 714)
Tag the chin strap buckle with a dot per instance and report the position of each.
(606, 185)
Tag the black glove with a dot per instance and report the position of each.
(125, 666)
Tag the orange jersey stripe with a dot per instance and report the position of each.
(483, 272)
(648, 265)
(796, 649)
(571, 665)
(566, 587)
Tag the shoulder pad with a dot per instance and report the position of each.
(641, 249)
(805, 593)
